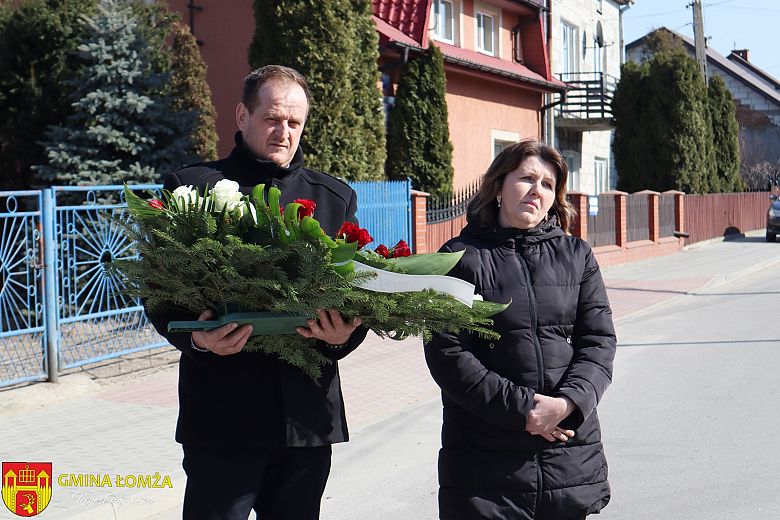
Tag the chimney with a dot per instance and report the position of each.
(742, 53)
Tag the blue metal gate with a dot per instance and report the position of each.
(95, 321)
(22, 328)
(385, 210)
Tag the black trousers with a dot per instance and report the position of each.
(278, 483)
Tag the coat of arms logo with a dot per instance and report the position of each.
(26, 487)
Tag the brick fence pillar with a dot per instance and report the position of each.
(653, 214)
(419, 222)
(579, 225)
(621, 218)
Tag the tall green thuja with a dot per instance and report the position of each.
(630, 145)
(726, 136)
(418, 142)
(333, 44)
(122, 129)
(36, 43)
(190, 92)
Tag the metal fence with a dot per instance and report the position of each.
(385, 210)
(637, 217)
(59, 305)
(601, 227)
(446, 217)
(666, 216)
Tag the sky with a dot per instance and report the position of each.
(729, 24)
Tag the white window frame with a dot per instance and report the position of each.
(438, 21)
(570, 48)
(503, 138)
(600, 179)
(495, 16)
(573, 180)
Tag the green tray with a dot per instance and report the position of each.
(263, 323)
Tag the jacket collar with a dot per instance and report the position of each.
(249, 169)
(511, 236)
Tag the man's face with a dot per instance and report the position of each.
(273, 130)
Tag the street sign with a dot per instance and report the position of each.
(593, 205)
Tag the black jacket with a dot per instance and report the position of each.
(557, 338)
(252, 399)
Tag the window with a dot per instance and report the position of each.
(569, 55)
(598, 58)
(444, 20)
(502, 139)
(573, 180)
(486, 33)
(601, 176)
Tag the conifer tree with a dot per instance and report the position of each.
(726, 136)
(36, 42)
(419, 138)
(122, 128)
(665, 141)
(190, 92)
(335, 45)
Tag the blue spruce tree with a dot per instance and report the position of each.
(123, 129)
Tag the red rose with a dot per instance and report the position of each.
(382, 250)
(306, 209)
(353, 233)
(401, 249)
(156, 204)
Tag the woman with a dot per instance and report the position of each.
(520, 438)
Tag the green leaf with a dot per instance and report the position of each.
(486, 308)
(429, 263)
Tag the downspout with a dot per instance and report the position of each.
(622, 10)
(549, 115)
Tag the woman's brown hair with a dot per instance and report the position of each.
(483, 210)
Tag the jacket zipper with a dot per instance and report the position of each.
(534, 324)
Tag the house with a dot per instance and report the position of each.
(495, 54)
(756, 95)
(496, 65)
(587, 55)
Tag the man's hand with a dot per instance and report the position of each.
(330, 327)
(546, 414)
(224, 341)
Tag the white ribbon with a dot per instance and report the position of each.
(389, 282)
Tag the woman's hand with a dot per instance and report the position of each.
(546, 414)
(330, 327)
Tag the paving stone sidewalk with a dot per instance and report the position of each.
(111, 421)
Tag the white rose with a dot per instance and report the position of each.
(478, 298)
(226, 194)
(186, 193)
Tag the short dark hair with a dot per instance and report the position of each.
(483, 210)
(278, 73)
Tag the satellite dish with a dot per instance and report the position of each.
(599, 34)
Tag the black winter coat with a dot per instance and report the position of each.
(557, 338)
(253, 399)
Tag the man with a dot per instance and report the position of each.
(256, 431)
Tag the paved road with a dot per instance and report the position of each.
(688, 423)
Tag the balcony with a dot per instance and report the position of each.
(588, 101)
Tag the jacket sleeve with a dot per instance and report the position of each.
(594, 343)
(466, 381)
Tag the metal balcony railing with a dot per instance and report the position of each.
(589, 96)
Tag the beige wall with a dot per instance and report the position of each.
(478, 107)
(226, 29)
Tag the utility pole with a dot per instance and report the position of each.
(698, 37)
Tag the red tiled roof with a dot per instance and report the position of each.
(393, 34)
(408, 16)
(476, 60)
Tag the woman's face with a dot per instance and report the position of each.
(527, 194)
